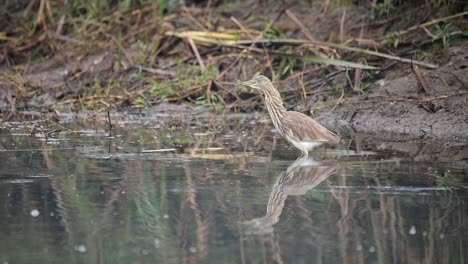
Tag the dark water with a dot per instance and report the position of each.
(231, 197)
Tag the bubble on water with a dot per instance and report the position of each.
(80, 248)
(372, 249)
(442, 236)
(412, 230)
(157, 243)
(52, 214)
(424, 233)
(35, 213)
(193, 249)
(166, 216)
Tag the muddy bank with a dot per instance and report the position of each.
(398, 106)
(143, 60)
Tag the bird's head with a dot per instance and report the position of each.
(260, 82)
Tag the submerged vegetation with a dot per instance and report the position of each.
(104, 55)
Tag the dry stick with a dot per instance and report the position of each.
(239, 43)
(270, 64)
(197, 54)
(301, 82)
(316, 68)
(421, 79)
(299, 23)
(432, 22)
(343, 17)
(208, 16)
(49, 12)
(316, 59)
(243, 29)
(156, 71)
(250, 48)
(304, 30)
(375, 53)
(357, 80)
(66, 38)
(109, 121)
(129, 58)
(40, 13)
(187, 12)
(428, 32)
(325, 6)
(61, 22)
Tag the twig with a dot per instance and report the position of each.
(421, 79)
(357, 80)
(197, 54)
(429, 23)
(379, 54)
(243, 29)
(52, 132)
(325, 5)
(156, 71)
(191, 17)
(67, 38)
(314, 58)
(343, 18)
(299, 23)
(339, 101)
(119, 45)
(109, 121)
(296, 75)
(234, 43)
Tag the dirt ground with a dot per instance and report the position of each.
(73, 76)
(398, 105)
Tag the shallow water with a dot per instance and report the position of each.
(144, 196)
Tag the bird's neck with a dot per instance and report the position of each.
(277, 110)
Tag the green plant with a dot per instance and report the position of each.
(442, 32)
(393, 40)
(271, 31)
(364, 87)
(338, 89)
(386, 7)
(162, 90)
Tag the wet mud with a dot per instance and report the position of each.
(396, 106)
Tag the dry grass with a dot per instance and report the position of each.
(137, 55)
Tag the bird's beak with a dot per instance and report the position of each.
(250, 83)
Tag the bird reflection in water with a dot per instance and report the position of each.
(300, 177)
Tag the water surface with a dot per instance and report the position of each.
(158, 193)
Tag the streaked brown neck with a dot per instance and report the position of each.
(275, 107)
